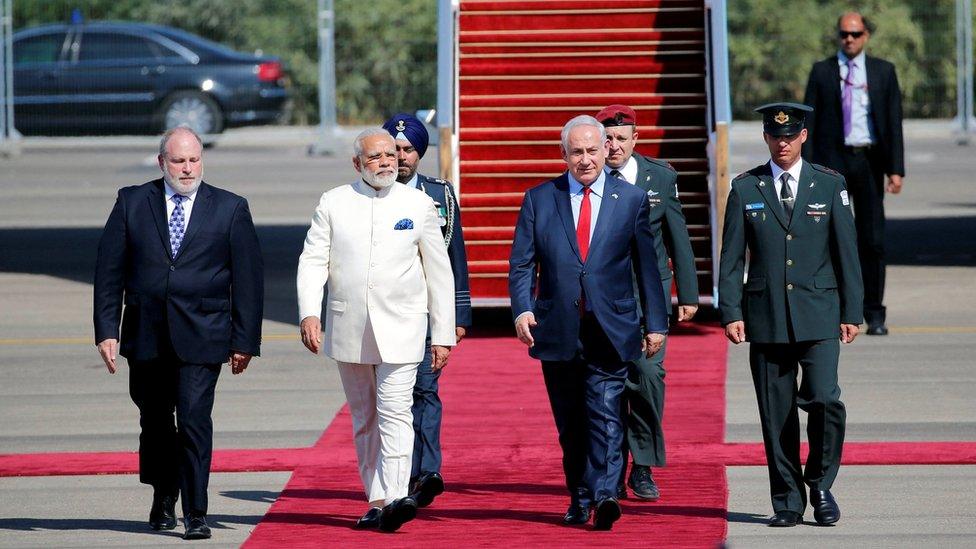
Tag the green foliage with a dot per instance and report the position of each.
(773, 45)
(386, 50)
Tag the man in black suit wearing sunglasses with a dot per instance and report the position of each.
(855, 128)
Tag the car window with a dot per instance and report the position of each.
(44, 48)
(103, 46)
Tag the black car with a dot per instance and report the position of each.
(134, 77)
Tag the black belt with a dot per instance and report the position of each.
(858, 149)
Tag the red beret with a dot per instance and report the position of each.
(617, 115)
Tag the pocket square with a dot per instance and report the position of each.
(404, 224)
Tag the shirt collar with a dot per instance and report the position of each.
(575, 187)
(414, 182)
(858, 60)
(628, 170)
(364, 189)
(170, 192)
(794, 170)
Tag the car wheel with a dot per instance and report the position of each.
(193, 109)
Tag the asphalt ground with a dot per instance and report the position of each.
(55, 395)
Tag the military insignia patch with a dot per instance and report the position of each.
(401, 125)
(844, 199)
(781, 118)
(818, 206)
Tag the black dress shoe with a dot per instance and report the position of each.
(621, 491)
(397, 513)
(642, 483)
(785, 518)
(369, 521)
(607, 513)
(825, 509)
(877, 330)
(196, 528)
(427, 487)
(162, 515)
(577, 514)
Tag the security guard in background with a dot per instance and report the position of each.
(644, 402)
(411, 138)
(804, 291)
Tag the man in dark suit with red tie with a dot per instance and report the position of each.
(183, 258)
(580, 241)
(855, 128)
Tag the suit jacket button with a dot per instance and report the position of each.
(789, 261)
(789, 237)
(172, 268)
(576, 303)
(789, 286)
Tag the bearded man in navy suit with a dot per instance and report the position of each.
(183, 258)
(580, 242)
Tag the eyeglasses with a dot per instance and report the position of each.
(854, 34)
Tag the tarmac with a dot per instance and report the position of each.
(55, 395)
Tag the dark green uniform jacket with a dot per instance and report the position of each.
(804, 274)
(659, 180)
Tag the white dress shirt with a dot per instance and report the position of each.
(628, 172)
(862, 130)
(187, 204)
(794, 172)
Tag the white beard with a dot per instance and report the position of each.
(180, 187)
(378, 181)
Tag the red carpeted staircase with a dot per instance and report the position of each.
(528, 67)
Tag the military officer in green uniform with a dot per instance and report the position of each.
(644, 394)
(802, 294)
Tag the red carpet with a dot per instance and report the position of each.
(502, 462)
(502, 465)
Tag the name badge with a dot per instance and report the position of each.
(755, 206)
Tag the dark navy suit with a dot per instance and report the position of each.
(182, 318)
(585, 355)
(427, 409)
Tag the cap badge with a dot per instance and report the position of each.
(401, 125)
(781, 118)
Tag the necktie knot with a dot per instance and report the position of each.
(178, 198)
(616, 173)
(586, 191)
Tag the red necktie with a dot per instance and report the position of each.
(583, 226)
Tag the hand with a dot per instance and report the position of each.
(238, 361)
(460, 332)
(109, 349)
(736, 331)
(522, 328)
(686, 312)
(440, 356)
(848, 332)
(651, 344)
(894, 184)
(312, 333)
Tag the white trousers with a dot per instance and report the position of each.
(380, 397)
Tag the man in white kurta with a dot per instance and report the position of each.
(378, 249)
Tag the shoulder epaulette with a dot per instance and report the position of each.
(826, 170)
(659, 162)
(741, 176)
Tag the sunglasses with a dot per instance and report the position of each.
(845, 34)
